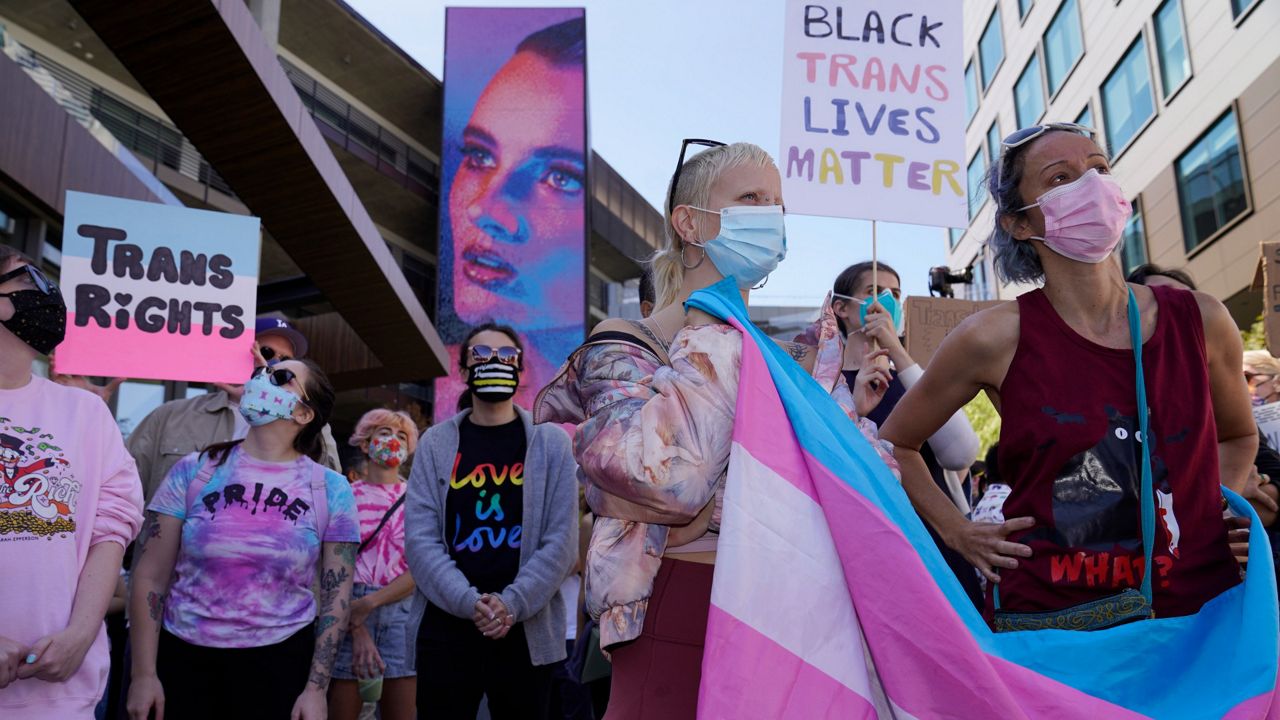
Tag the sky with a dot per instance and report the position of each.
(663, 70)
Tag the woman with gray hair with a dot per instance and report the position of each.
(1099, 508)
(653, 402)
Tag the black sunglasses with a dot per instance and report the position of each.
(507, 355)
(269, 354)
(42, 283)
(675, 179)
(279, 377)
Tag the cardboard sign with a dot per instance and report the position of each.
(1268, 419)
(157, 292)
(930, 319)
(1271, 295)
(873, 110)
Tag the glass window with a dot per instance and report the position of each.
(1063, 45)
(991, 49)
(1210, 176)
(1028, 94)
(993, 142)
(1171, 47)
(1127, 102)
(195, 391)
(971, 90)
(134, 401)
(954, 235)
(1024, 7)
(977, 190)
(1133, 244)
(1238, 7)
(1085, 117)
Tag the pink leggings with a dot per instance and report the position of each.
(656, 676)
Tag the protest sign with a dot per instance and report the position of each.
(873, 114)
(1268, 419)
(1271, 295)
(157, 292)
(930, 319)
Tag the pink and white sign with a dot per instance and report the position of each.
(158, 292)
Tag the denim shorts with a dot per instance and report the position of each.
(389, 626)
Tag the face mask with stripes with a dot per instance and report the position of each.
(493, 381)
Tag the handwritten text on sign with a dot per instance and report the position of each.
(157, 292)
(873, 110)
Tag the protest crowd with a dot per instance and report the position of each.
(497, 558)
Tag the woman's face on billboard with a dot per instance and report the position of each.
(517, 200)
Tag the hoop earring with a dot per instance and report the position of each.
(686, 265)
(763, 282)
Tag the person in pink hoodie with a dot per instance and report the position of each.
(70, 501)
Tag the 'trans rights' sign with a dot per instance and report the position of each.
(873, 115)
(158, 292)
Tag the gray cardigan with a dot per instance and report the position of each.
(549, 538)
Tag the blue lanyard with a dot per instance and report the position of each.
(1148, 499)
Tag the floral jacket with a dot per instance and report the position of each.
(652, 445)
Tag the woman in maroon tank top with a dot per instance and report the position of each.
(1059, 366)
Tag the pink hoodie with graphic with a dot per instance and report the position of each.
(66, 484)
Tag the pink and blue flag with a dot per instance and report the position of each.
(831, 600)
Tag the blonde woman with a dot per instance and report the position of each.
(376, 644)
(654, 403)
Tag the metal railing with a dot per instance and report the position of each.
(147, 136)
(363, 137)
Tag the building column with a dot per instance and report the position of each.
(267, 15)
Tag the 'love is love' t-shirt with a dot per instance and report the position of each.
(250, 547)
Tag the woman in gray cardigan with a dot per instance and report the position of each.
(490, 533)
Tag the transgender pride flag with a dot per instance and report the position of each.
(830, 599)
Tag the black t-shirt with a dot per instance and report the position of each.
(484, 510)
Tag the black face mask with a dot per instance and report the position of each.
(493, 382)
(39, 319)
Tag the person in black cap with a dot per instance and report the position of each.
(187, 425)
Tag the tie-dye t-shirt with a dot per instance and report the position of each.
(382, 559)
(250, 548)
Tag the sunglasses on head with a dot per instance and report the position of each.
(675, 179)
(507, 355)
(1025, 135)
(33, 274)
(280, 377)
(270, 355)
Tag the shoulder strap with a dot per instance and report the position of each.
(632, 332)
(320, 498)
(202, 478)
(387, 516)
(1148, 492)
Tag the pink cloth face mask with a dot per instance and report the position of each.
(1084, 220)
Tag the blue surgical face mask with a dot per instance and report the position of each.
(264, 402)
(886, 300)
(751, 243)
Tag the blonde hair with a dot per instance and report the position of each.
(1261, 362)
(371, 421)
(697, 175)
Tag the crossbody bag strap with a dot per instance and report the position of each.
(1144, 412)
(202, 478)
(387, 516)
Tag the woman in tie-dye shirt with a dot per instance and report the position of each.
(238, 529)
(375, 646)
(654, 404)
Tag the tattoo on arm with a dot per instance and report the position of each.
(798, 351)
(155, 605)
(332, 620)
(150, 531)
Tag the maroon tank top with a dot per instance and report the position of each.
(1069, 449)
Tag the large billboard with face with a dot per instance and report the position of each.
(514, 187)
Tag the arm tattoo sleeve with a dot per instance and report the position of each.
(331, 620)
